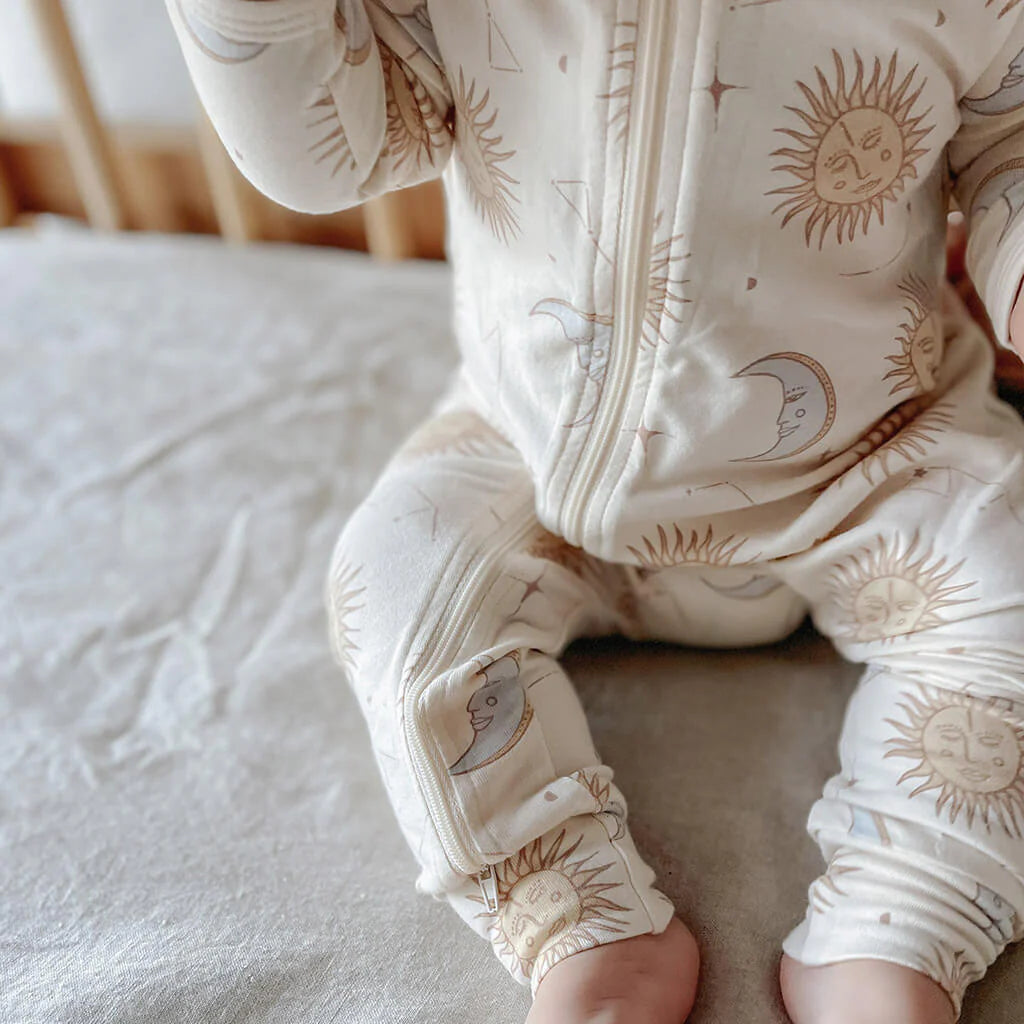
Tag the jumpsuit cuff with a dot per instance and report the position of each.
(878, 905)
(1000, 283)
(275, 22)
(575, 887)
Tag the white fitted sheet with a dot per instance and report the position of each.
(191, 823)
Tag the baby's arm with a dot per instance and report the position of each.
(987, 163)
(321, 104)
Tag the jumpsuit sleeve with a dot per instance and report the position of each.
(322, 104)
(986, 160)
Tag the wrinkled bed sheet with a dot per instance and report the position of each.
(192, 827)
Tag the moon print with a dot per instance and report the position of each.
(213, 44)
(869, 825)
(1009, 96)
(757, 586)
(969, 753)
(859, 146)
(499, 713)
(591, 333)
(354, 24)
(551, 905)
(1002, 917)
(1002, 187)
(809, 402)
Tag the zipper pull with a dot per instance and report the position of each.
(488, 883)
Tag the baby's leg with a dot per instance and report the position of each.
(923, 829)
(449, 606)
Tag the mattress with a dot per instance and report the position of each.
(192, 827)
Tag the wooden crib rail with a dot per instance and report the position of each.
(117, 193)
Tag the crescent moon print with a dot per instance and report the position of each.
(921, 342)
(859, 146)
(414, 17)
(968, 752)
(883, 592)
(551, 905)
(499, 713)
(685, 548)
(479, 153)
(757, 586)
(1002, 917)
(1008, 97)
(216, 46)
(808, 407)
(591, 333)
(1002, 187)
(353, 23)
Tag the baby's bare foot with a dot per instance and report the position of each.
(648, 979)
(862, 992)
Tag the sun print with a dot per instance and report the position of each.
(415, 130)
(969, 755)
(344, 603)
(685, 547)
(332, 143)
(884, 592)
(859, 146)
(479, 151)
(921, 341)
(828, 887)
(1004, 6)
(663, 287)
(901, 435)
(550, 905)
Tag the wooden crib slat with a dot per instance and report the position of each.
(85, 139)
(389, 233)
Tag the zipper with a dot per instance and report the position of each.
(428, 768)
(633, 267)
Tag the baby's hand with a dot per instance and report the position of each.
(1009, 369)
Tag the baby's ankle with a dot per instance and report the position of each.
(648, 979)
(862, 992)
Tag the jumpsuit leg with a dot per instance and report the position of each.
(923, 827)
(448, 607)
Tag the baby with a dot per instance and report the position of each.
(711, 381)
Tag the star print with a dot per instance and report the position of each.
(718, 89)
(645, 434)
(532, 587)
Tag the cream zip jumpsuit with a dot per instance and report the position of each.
(711, 381)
